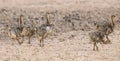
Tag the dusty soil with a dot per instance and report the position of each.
(73, 20)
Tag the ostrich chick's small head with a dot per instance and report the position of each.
(113, 16)
(21, 15)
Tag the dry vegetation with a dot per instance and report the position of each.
(73, 20)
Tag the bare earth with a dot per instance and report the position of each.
(69, 43)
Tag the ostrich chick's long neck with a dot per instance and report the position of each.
(21, 21)
(112, 23)
(48, 21)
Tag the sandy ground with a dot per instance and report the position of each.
(71, 42)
